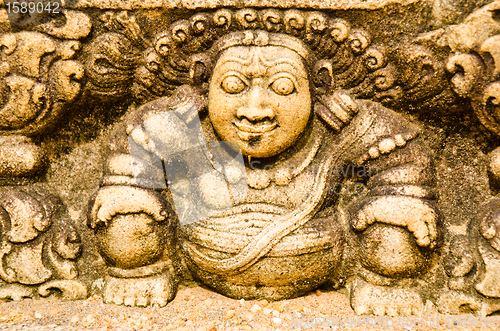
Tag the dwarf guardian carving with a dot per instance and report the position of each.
(235, 175)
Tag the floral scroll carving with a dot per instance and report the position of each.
(38, 246)
(474, 60)
(40, 78)
(472, 259)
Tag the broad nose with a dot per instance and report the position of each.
(257, 107)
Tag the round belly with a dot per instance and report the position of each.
(298, 263)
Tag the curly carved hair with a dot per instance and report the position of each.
(338, 56)
(125, 62)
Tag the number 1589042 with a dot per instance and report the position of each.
(33, 7)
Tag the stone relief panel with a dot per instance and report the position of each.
(39, 80)
(263, 152)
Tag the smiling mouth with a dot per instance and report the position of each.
(259, 128)
(252, 133)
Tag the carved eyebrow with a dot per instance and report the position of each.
(245, 62)
(281, 60)
(278, 75)
(250, 61)
(285, 67)
(254, 69)
(262, 67)
(274, 63)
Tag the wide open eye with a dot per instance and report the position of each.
(233, 84)
(283, 86)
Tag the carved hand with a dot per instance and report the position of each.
(417, 215)
(110, 201)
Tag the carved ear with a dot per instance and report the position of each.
(200, 69)
(336, 108)
(323, 75)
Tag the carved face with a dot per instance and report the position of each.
(259, 98)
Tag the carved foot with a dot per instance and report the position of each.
(155, 290)
(369, 299)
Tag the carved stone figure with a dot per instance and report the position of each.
(292, 225)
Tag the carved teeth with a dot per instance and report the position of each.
(245, 126)
(247, 136)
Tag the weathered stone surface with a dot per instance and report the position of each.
(263, 149)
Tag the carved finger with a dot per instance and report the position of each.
(132, 204)
(415, 214)
(363, 218)
(432, 227)
(489, 225)
(487, 228)
(113, 200)
(376, 210)
(102, 197)
(420, 231)
(96, 203)
(495, 243)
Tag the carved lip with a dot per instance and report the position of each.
(263, 127)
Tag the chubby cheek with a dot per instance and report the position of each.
(292, 112)
(222, 111)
